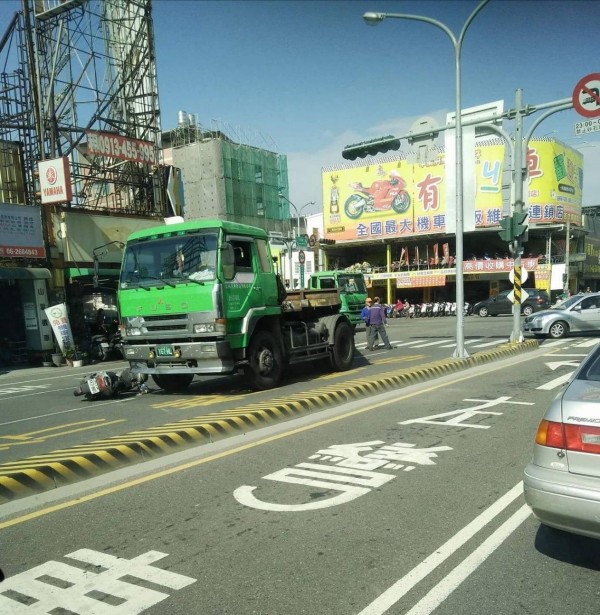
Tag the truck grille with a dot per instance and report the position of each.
(167, 322)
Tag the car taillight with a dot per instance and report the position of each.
(580, 438)
(550, 433)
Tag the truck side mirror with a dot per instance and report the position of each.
(227, 261)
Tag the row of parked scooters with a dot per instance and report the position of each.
(427, 310)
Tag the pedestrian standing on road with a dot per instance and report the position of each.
(364, 316)
(377, 322)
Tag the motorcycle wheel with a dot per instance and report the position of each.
(98, 353)
(401, 202)
(354, 206)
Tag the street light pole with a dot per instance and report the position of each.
(298, 212)
(374, 19)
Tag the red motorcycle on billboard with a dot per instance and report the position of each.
(382, 195)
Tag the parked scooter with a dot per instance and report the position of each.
(104, 384)
(104, 345)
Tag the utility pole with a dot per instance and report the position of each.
(519, 175)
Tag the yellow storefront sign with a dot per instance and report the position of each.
(395, 198)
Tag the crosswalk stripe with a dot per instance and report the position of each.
(494, 343)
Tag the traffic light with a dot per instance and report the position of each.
(371, 148)
(519, 228)
(506, 234)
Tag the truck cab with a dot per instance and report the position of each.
(351, 286)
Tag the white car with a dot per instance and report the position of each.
(578, 314)
(562, 482)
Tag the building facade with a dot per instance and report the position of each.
(395, 218)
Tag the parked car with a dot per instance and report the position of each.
(500, 304)
(562, 481)
(577, 314)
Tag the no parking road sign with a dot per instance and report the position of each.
(586, 96)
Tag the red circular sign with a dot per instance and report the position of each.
(51, 175)
(586, 96)
(301, 257)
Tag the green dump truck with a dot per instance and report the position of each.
(352, 289)
(203, 298)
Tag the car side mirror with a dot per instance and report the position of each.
(577, 308)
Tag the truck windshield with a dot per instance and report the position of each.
(352, 284)
(170, 260)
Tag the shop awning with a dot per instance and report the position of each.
(24, 273)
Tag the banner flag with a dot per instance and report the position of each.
(59, 319)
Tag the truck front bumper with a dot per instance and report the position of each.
(210, 357)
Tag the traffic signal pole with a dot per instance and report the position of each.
(519, 175)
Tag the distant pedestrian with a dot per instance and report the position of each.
(377, 321)
(364, 316)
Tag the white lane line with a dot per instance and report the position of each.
(586, 344)
(449, 583)
(565, 354)
(553, 384)
(495, 343)
(436, 343)
(401, 587)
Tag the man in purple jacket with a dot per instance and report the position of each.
(376, 324)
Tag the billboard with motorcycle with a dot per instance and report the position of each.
(392, 197)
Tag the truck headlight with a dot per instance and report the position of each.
(134, 326)
(204, 327)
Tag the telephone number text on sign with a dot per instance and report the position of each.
(592, 125)
(24, 252)
(115, 146)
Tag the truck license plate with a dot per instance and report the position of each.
(164, 351)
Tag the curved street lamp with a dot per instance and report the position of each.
(298, 211)
(375, 18)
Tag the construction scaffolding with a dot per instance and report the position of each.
(84, 71)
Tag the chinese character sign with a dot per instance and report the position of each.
(21, 232)
(59, 319)
(390, 198)
(554, 182)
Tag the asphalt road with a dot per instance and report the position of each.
(40, 414)
(408, 502)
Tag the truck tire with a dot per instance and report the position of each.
(173, 383)
(265, 361)
(342, 352)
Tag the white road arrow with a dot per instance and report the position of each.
(554, 365)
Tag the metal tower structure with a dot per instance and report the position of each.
(85, 87)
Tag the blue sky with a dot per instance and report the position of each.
(305, 78)
(309, 77)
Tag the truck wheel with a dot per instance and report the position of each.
(343, 347)
(173, 383)
(265, 362)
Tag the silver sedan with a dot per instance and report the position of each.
(578, 314)
(562, 482)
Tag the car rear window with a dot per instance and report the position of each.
(592, 371)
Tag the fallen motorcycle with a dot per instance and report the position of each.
(105, 384)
